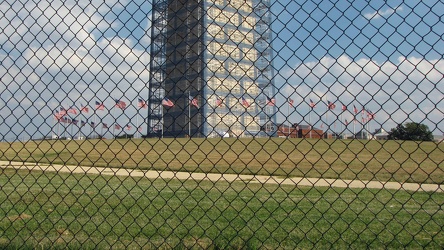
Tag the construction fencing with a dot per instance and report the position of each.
(221, 124)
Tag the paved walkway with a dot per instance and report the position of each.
(298, 181)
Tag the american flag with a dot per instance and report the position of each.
(82, 123)
(193, 102)
(270, 101)
(128, 127)
(344, 108)
(72, 111)
(100, 106)
(104, 125)
(167, 102)
(291, 102)
(142, 104)
(74, 121)
(312, 104)
(58, 115)
(355, 109)
(219, 102)
(84, 109)
(120, 104)
(370, 115)
(245, 102)
(62, 112)
(92, 124)
(331, 105)
(117, 126)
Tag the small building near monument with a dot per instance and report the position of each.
(301, 131)
(380, 134)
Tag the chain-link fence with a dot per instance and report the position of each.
(221, 124)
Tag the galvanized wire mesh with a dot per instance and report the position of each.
(221, 124)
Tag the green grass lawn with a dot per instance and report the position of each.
(401, 161)
(58, 211)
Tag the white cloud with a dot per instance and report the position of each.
(54, 21)
(405, 89)
(381, 13)
(69, 60)
(55, 53)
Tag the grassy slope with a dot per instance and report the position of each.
(402, 161)
(99, 212)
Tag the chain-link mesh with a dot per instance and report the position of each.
(221, 124)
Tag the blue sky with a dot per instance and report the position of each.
(384, 55)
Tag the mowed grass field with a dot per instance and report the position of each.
(401, 161)
(49, 210)
(77, 211)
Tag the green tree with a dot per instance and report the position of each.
(411, 131)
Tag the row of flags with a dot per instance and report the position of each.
(272, 102)
(62, 115)
(67, 120)
(355, 121)
(332, 106)
(219, 102)
(194, 102)
(168, 103)
(98, 106)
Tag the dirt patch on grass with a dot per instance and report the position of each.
(22, 216)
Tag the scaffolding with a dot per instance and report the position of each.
(179, 55)
(264, 64)
(157, 66)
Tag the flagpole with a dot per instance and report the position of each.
(288, 118)
(342, 125)
(65, 127)
(89, 123)
(58, 125)
(137, 125)
(368, 125)
(114, 126)
(362, 124)
(81, 125)
(63, 133)
(79, 132)
(80, 128)
(326, 121)
(52, 126)
(72, 130)
(58, 128)
(73, 136)
(354, 127)
(309, 121)
(189, 114)
(161, 108)
(95, 120)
